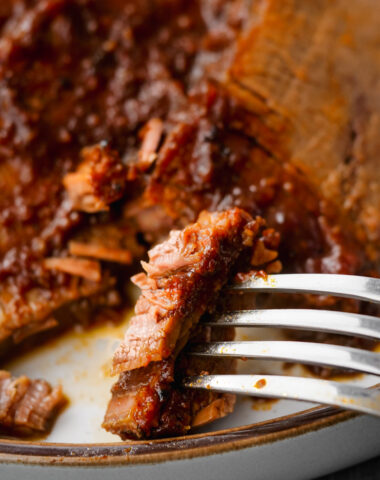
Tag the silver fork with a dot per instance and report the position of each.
(349, 397)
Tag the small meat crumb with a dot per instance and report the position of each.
(99, 180)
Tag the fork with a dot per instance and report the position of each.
(350, 397)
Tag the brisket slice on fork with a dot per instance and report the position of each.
(182, 282)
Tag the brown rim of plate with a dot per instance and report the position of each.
(143, 452)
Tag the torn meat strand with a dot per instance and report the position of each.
(102, 253)
(89, 269)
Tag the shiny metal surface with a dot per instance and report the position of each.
(303, 319)
(361, 288)
(305, 389)
(298, 352)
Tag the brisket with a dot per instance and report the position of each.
(210, 160)
(182, 281)
(27, 406)
(309, 72)
(75, 74)
(99, 180)
(121, 121)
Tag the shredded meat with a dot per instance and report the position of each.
(210, 161)
(79, 80)
(89, 269)
(98, 251)
(123, 120)
(184, 277)
(27, 406)
(36, 304)
(151, 135)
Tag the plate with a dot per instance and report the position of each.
(264, 439)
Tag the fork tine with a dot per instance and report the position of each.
(298, 352)
(353, 286)
(306, 389)
(304, 319)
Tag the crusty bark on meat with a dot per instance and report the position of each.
(27, 406)
(148, 402)
(309, 72)
(182, 281)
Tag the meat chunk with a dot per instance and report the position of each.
(182, 281)
(211, 160)
(146, 402)
(26, 308)
(184, 276)
(112, 241)
(98, 181)
(27, 406)
(151, 135)
(150, 402)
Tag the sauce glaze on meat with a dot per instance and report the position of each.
(117, 124)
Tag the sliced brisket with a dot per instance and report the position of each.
(27, 406)
(182, 281)
(184, 276)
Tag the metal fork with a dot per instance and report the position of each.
(349, 397)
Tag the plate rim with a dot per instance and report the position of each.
(177, 448)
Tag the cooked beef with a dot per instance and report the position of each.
(209, 160)
(75, 73)
(182, 281)
(309, 72)
(112, 241)
(148, 402)
(184, 276)
(27, 406)
(32, 303)
(99, 180)
(151, 135)
(112, 134)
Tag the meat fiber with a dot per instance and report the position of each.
(310, 74)
(182, 281)
(184, 276)
(27, 406)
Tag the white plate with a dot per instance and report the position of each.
(299, 446)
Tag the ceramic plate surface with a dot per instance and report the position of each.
(272, 439)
